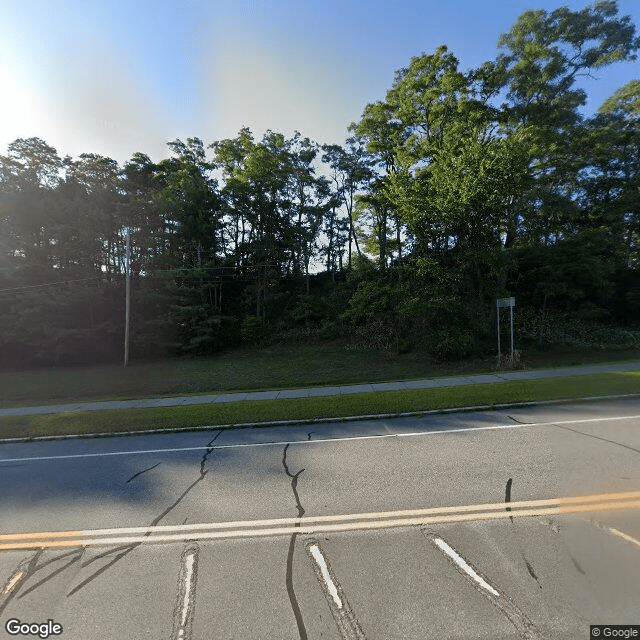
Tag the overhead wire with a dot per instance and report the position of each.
(48, 284)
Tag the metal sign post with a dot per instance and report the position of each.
(505, 302)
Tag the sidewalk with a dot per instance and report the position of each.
(534, 374)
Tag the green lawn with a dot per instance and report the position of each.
(327, 407)
(275, 368)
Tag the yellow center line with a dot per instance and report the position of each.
(343, 522)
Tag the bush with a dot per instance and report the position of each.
(554, 329)
(452, 345)
(214, 334)
(252, 329)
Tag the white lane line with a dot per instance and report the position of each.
(462, 563)
(322, 564)
(525, 627)
(615, 532)
(12, 583)
(258, 444)
(186, 593)
(624, 536)
(343, 615)
(312, 442)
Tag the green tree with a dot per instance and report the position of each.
(350, 172)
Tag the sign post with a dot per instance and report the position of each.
(505, 302)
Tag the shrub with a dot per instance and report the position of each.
(553, 329)
(452, 345)
(252, 329)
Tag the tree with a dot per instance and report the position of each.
(544, 55)
(618, 125)
(351, 170)
(29, 174)
(545, 52)
(94, 229)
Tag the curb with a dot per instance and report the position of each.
(285, 423)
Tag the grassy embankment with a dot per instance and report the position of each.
(277, 368)
(323, 407)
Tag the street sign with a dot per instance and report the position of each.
(505, 302)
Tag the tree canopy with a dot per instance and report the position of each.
(457, 187)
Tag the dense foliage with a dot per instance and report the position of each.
(457, 188)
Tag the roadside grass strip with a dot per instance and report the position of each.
(337, 407)
(245, 370)
(319, 524)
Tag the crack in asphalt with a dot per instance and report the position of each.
(29, 570)
(294, 481)
(208, 452)
(577, 566)
(302, 631)
(65, 554)
(507, 499)
(532, 573)
(53, 574)
(590, 435)
(135, 475)
(507, 496)
(129, 548)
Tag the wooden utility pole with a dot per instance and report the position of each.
(128, 298)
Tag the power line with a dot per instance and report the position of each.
(48, 284)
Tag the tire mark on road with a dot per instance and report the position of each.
(302, 631)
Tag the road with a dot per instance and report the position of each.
(444, 526)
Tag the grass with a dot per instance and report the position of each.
(275, 368)
(322, 407)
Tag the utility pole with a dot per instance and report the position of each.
(128, 298)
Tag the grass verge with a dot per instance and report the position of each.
(113, 421)
(277, 368)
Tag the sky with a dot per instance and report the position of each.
(116, 77)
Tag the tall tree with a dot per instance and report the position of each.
(351, 171)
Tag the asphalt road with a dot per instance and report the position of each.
(445, 526)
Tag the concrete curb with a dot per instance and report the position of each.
(286, 423)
